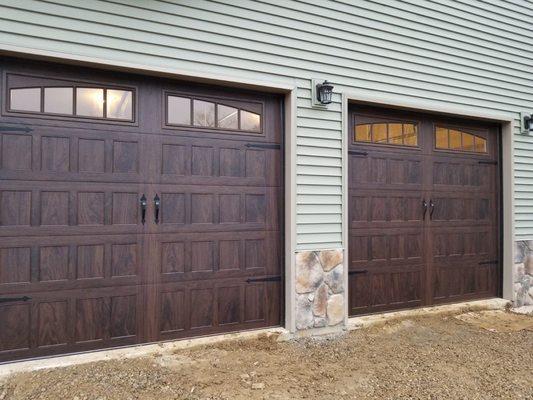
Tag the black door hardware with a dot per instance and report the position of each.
(431, 208)
(357, 153)
(143, 204)
(488, 262)
(15, 129)
(265, 279)
(12, 299)
(263, 145)
(157, 205)
(488, 162)
(424, 208)
(358, 271)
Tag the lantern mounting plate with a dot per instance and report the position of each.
(314, 95)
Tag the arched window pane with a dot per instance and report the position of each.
(204, 113)
(481, 145)
(178, 110)
(25, 99)
(395, 134)
(410, 135)
(379, 133)
(59, 100)
(468, 142)
(250, 121)
(455, 140)
(227, 117)
(441, 138)
(90, 102)
(362, 133)
(119, 104)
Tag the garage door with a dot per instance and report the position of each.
(134, 210)
(423, 210)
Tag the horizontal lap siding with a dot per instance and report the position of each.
(472, 54)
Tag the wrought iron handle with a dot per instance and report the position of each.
(143, 204)
(431, 208)
(157, 204)
(424, 208)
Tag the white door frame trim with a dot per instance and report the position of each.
(400, 102)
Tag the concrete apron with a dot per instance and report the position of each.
(281, 334)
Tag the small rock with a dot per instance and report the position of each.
(245, 377)
(258, 386)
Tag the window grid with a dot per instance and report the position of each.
(393, 133)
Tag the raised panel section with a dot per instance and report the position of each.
(52, 325)
(124, 259)
(55, 154)
(175, 160)
(173, 208)
(16, 152)
(173, 257)
(230, 162)
(201, 315)
(53, 263)
(90, 262)
(54, 208)
(229, 305)
(91, 208)
(123, 318)
(91, 155)
(16, 208)
(255, 163)
(15, 322)
(230, 208)
(15, 265)
(201, 208)
(125, 157)
(91, 319)
(202, 256)
(229, 255)
(172, 315)
(255, 208)
(202, 161)
(254, 303)
(254, 251)
(125, 208)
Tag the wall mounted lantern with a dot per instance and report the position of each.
(324, 91)
(526, 123)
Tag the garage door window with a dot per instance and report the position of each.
(387, 133)
(457, 140)
(185, 111)
(73, 101)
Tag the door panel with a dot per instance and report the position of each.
(81, 269)
(424, 221)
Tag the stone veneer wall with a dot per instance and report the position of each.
(319, 289)
(523, 273)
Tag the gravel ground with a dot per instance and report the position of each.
(482, 355)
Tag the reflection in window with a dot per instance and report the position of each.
(90, 102)
(204, 113)
(227, 117)
(25, 99)
(59, 100)
(453, 139)
(178, 110)
(392, 133)
(207, 114)
(250, 121)
(119, 104)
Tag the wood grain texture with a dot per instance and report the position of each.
(402, 254)
(71, 236)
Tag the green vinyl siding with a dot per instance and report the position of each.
(471, 54)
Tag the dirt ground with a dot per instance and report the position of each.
(477, 355)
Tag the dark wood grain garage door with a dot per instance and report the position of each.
(84, 263)
(424, 210)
